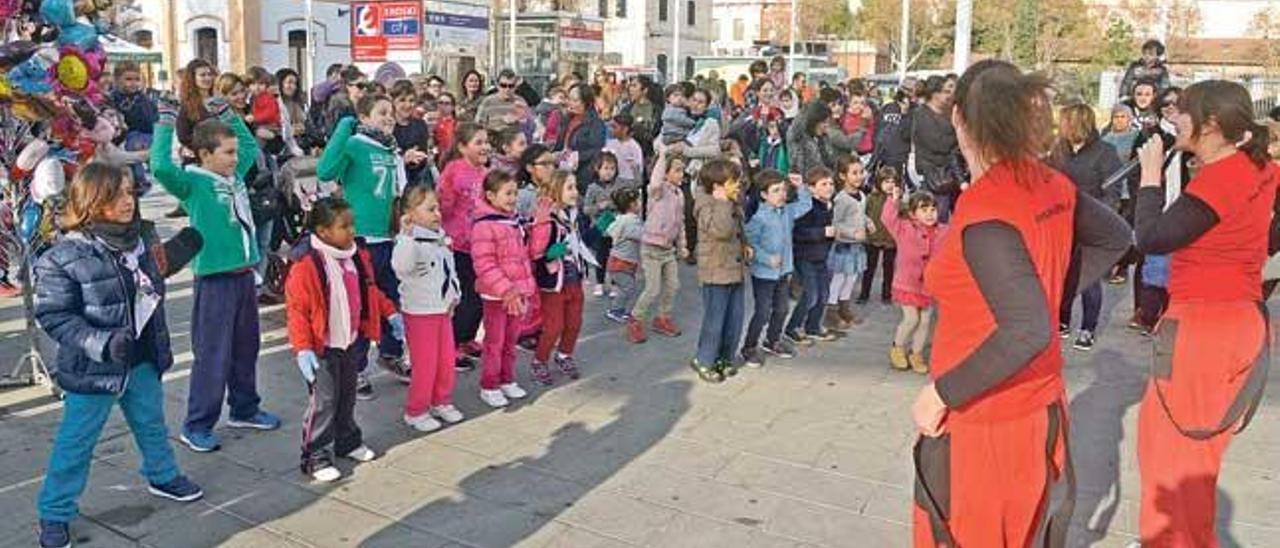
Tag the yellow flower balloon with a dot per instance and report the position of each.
(6, 91)
(73, 73)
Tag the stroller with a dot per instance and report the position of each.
(296, 187)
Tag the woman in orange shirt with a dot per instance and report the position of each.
(1211, 346)
(993, 424)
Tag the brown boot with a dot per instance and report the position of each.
(898, 358)
(846, 312)
(918, 363)
(832, 321)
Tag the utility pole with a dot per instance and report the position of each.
(511, 39)
(964, 27)
(904, 42)
(677, 72)
(309, 71)
(791, 53)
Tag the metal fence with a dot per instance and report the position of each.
(1265, 90)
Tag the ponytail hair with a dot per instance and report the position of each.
(1006, 114)
(465, 133)
(1230, 106)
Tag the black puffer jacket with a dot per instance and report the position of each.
(1089, 167)
(810, 233)
(83, 296)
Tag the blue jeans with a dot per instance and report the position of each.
(82, 418)
(808, 311)
(1091, 300)
(723, 309)
(771, 300)
(264, 230)
(385, 278)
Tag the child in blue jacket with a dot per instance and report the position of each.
(768, 233)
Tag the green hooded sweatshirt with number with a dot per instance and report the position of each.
(371, 176)
(218, 205)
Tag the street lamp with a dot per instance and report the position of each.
(791, 53)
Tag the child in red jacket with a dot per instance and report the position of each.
(332, 302)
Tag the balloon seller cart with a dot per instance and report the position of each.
(53, 119)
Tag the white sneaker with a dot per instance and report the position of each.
(362, 454)
(326, 474)
(422, 423)
(598, 291)
(447, 413)
(513, 391)
(493, 398)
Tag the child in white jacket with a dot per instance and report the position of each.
(428, 293)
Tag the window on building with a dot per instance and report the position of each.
(662, 10)
(207, 45)
(688, 68)
(143, 38)
(604, 8)
(691, 11)
(739, 29)
(662, 66)
(621, 8)
(298, 52)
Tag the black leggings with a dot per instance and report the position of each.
(466, 319)
(875, 255)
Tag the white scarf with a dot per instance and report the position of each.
(340, 329)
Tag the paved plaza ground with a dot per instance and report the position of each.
(808, 452)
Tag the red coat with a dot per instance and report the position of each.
(307, 304)
(266, 110)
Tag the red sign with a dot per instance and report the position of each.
(379, 27)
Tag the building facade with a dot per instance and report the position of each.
(642, 33)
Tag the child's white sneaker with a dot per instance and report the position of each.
(326, 474)
(447, 413)
(493, 398)
(513, 391)
(422, 423)
(598, 291)
(362, 454)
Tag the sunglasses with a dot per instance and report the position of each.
(507, 85)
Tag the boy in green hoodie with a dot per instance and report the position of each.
(224, 318)
(362, 157)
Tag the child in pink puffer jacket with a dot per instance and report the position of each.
(504, 280)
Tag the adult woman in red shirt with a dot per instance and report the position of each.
(993, 421)
(1211, 346)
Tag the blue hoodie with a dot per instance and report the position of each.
(769, 234)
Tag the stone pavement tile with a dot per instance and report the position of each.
(474, 521)
(691, 494)
(690, 457)
(564, 536)
(617, 515)
(798, 482)
(828, 526)
(84, 533)
(211, 527)
(868, 462)
(119, 499)
(399, 536)
(524, 489)
(1249, 495)
(482, 437)
(891, 503)
(329, 522)
(441, 463)
(388, 492)
(721, 431)
(691, 531)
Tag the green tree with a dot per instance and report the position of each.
(932, 28)
(1118, 46)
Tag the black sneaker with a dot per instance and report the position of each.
(751, 357)
(1084, 341)
(797, 339)
(708, 373)
(1064, 331)
(886, 299)
(364, 390)
(464, 364)
(781, 349)
(529, 343)
(825, 335)
(861, 300)
(396, 367)
(727, 368)
(181, 489)
(54, 534)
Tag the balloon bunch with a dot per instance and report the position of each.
(50, 103)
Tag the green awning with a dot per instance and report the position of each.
(121, 50)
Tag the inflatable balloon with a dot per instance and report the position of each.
(29, 222)
(62, 14)
(49, 180)
(31, 155)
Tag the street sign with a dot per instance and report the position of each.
(380, 28)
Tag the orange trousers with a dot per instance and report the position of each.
(1000, 478)
(1209, 367)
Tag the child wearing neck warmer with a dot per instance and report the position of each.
(429, 291)
(560, 259)
(362, 158)
(331, 305)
